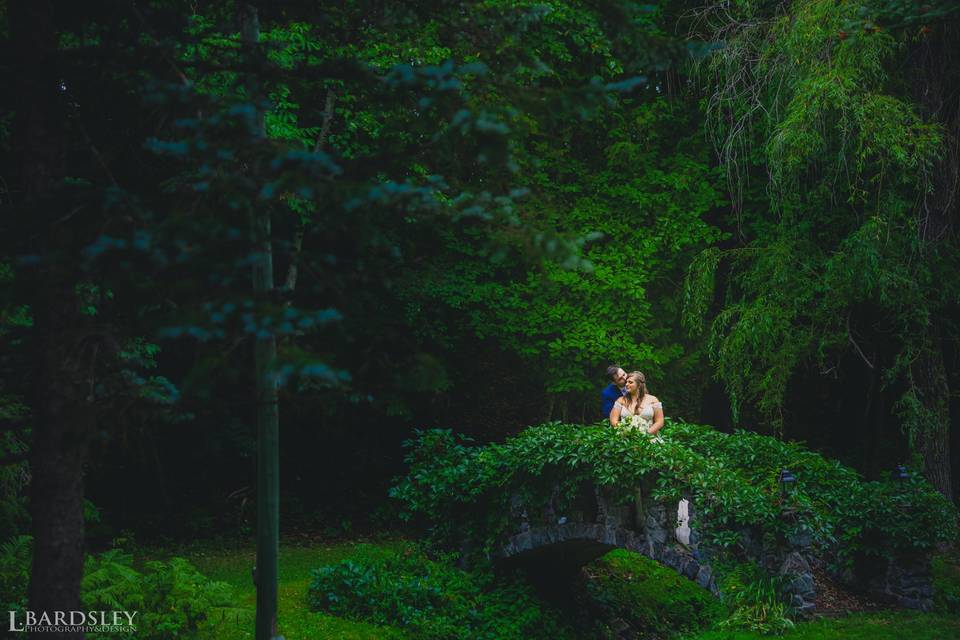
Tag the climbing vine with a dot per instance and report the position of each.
(468, 494)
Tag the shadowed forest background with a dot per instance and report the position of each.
(471, 209)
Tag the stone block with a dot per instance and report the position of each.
(704, 576)
(802, 585)
(805, 609)
(657, 534)
(795, 563)
(666, 555)
(920, 604)
(691, 568)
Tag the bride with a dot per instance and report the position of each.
(637, 409)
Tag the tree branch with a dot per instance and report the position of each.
(856, 346)
(293, 269)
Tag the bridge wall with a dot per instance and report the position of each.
(565, 534)
(563, 538)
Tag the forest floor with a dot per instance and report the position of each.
(847, 617)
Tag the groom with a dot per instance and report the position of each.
(618, 378)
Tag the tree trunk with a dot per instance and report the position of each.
(63, 412)
(268, 414)
(936, 84)
(932, 439)
(63, 420)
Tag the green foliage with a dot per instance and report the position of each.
(91, 297)
(171, 598)
(402, 140)
(15, 476)
(231, 564)
(178, 599)
(617, 572)
(15, 555)
(838, 506)
(641, 190)
(815, 100)
(650, 598)
(431, 600)
(754, 600)
(420, 141)
(946, 583)
(464, 493)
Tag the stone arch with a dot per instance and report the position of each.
(594, 522)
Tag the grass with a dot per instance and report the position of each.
(295, 619)
(626, 584)
(944, 623)
(887, 625)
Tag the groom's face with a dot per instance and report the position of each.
(620, 378)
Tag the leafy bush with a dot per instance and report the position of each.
(431, 600)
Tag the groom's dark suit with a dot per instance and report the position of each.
(609, 396)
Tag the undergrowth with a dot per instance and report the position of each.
(433, 600)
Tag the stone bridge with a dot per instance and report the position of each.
(558, 539)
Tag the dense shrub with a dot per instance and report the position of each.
(432, 600)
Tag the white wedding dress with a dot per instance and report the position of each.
(639, 422)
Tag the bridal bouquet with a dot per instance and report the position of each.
(639, 424)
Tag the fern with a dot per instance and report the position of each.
(15, 555)
(110, 582)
